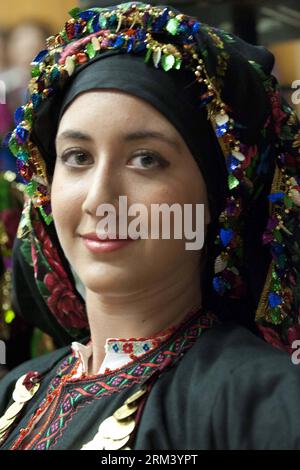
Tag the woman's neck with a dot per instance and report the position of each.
(141, 314)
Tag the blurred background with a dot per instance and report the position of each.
(24, 26)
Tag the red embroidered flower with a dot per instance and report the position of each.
(128, 348)
(49, 250)
(64, 303)
(63, 300)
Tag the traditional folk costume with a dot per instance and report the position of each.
(211, 382)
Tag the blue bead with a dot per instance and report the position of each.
(77, 29)
(21, 135)
(112, 20)
(221, 130)
(183, 29)
(232, 163)
(141, 34)
(226, 236)
(86, 15)
(196, 27)
(19, 116)
(146, 18)
(95, 24)
(274, 197)
(277, 248)
(130, 44)
(40, 56)
(36, 100)
(219, 285)
(119, 42)
(206, 100)
(274, 299)
(161, 21)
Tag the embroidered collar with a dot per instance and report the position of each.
(119, 351)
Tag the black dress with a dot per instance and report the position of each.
(223, 389)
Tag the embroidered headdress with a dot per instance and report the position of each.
(258, 135)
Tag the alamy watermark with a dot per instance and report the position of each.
(295, 98)
(2, 92)
(154, 225)
(2, 353)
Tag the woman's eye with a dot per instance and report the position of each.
(76, 159)
(148, 161)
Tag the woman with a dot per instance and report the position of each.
(150, 104)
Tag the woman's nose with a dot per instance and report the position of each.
(103, 187)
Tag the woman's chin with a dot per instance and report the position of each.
(110, 281)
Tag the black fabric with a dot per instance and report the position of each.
(229, 391)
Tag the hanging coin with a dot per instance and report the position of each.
(5, 423)
(110, 444)
(21, 394)
(136, 396)
(113, 429)
(100, 443)
(125, 411)
(13, 410)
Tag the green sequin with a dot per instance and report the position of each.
(178, 63)
(90, 25)
(31, 188)
(28, 115)
(148, 55)
(288, 202)
(48, 218)
(13, 146)
(278, 236)
(102, 22)
(276, 316)
(233, 182)
(90, 50)
(168, 62)
(172, 26)
(74, 13)
(35, 71)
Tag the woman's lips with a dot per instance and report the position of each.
(96, 245)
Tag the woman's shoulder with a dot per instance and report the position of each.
(42, 364)
(232, 347)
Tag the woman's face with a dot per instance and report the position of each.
(111, 144)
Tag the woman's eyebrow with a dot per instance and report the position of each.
(75, 135)
(128, 137)
(149, 134)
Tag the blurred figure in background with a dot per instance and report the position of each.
(17, 49)
(23, 43)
